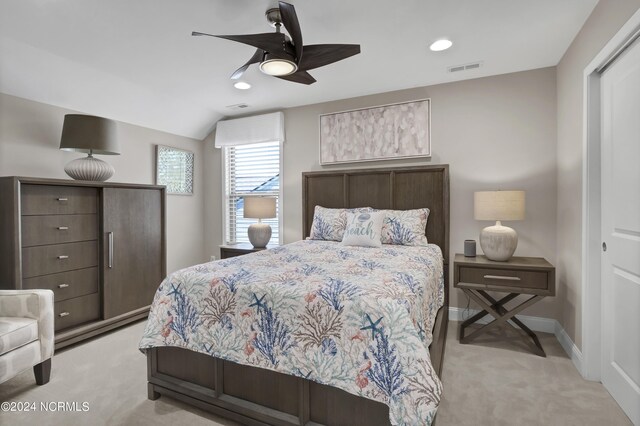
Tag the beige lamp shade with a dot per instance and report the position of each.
(259, 207)
(89, 134)
(499, 205)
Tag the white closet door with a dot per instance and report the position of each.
(620, 85)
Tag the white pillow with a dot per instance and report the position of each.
(405, 227)
(363, 229)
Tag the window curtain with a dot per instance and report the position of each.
(250, 130)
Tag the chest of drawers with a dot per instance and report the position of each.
(84, 241)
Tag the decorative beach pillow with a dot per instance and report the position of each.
(363, 229)
(405, 227)
(329, 224)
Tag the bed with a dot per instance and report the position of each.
(218, 381)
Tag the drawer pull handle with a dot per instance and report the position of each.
(63, 228)
(501, 277)
(63, 199)
(63, 257)
(63, 286)
(110, 260)
(64, 314)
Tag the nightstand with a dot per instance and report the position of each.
(233, 250)
(531, 276)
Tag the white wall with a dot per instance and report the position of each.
(495, 133)
(605, 20)
(29, 140)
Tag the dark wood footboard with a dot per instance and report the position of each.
(254, 396)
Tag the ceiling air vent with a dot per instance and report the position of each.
(465, 67)
(237, 106)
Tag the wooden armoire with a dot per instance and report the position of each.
(100, 246)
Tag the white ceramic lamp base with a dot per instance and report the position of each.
(259, 234)
(89, 168)
(498, 242)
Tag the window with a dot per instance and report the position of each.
(250, 170)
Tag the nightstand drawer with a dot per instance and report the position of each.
(225, 253)
(47, 199)
(240, 249)
(504, 277)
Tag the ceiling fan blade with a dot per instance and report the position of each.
(197, 33)
(299, 77)
(290, 21)
(319, 55)
(238, 73)
(257, 57)
(274, 43)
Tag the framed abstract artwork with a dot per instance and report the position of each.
(174, 169)
(385, 132)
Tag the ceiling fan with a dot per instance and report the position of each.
(286, 57)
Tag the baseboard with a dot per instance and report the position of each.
(543, 325)
(569, 347)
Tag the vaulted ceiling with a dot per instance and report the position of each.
(135, 61)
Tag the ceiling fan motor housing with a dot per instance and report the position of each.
(273, 17)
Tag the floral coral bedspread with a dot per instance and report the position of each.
(356, 318)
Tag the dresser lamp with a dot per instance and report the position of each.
(91, 135)
(259, 208)
(498, 242)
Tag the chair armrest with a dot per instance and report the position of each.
(36, 304)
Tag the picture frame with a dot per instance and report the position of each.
(174, 169)
(384, 132)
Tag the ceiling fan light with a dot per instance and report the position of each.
(278, 67)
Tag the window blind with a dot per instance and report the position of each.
(250, 170)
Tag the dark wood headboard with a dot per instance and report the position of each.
(401, 188)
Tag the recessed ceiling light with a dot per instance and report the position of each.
(242, 85)
(439, 45)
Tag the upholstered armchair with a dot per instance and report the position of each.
(26, 333)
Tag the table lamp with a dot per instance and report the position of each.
(498, 242)
(92, 135)
(259, 208)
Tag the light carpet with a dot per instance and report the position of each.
(490, 382)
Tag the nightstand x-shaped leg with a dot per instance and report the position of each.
(501, 315)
